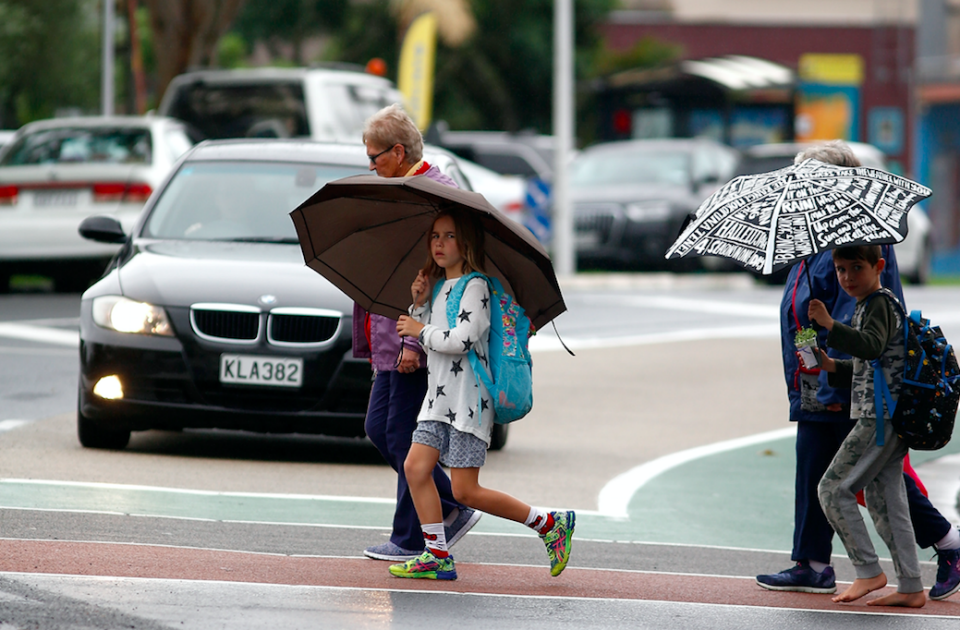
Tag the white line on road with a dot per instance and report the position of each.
(615, 496)
(549, 343)
(42, 334)
(9, 425)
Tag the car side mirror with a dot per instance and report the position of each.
(102, 229)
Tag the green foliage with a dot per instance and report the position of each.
(649, 52)
(49, 59)
(502, 77)
(804, 336)
(232, 51)
(290, 21)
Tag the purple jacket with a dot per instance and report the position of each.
(384, 347)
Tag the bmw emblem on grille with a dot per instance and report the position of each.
(268, 300)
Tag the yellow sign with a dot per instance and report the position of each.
(417, 58)
(831, 69)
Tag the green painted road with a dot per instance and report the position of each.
(740, 498)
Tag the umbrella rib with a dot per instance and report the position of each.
(772, 237)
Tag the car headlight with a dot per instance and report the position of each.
(128, 316)
(648, 211)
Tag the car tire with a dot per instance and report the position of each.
(499, 438)
(93, 435)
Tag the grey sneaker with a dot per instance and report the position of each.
(464, 522)
(389, 551)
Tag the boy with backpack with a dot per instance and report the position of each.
(871, 456)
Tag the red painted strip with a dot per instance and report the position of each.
(179, 563)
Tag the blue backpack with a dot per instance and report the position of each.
(924, 414)
(510, 377)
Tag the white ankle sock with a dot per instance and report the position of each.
(536, 518)
(950, 541)
(433, 536)
(817, 566)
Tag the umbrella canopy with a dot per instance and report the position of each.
(368, 236)
(769, 221)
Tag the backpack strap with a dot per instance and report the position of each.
(453, 306)
(881, 390)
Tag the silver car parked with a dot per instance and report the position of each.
(54, 173)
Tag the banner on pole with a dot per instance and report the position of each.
(417, 58)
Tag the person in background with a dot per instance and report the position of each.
(822, 416)
(395, 149)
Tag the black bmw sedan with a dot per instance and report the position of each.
(208, 317)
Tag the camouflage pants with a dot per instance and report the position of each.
(877, 470)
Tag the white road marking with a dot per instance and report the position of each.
(670, 303)
(550, 343)
(615, 496)
(9, 425)
(42, 334)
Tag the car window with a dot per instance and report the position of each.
(504, 162)
(110, 145)
(351, 105)
(631, 167)
(237, 200)
(254, 110)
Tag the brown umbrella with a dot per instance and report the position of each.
(368, 236)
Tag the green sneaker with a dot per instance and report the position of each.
(559, 540)
(426, 566)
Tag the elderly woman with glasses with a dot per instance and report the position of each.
(395, 149)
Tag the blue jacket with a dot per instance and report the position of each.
(825, 288)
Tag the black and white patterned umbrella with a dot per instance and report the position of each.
(769, 221)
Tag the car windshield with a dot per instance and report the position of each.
(631, 167)
(111, 145)
(256, 110)
(237, 201)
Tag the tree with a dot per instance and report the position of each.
(276, 22)
(186, 33)
(499, 78)
(49, 59)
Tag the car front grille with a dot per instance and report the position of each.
(241, 324)
(597, 220)
(232, 325)
(302, 329)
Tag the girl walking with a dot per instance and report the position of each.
(456, 419)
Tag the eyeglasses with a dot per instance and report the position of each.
(373, 158)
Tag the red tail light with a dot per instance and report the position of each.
(8, 195)
(138, 192)
(512, 207)
(119, 191)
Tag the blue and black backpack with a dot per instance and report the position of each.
(926, 409)
(510, 376)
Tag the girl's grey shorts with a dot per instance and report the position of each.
(457, 449)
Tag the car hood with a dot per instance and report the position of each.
(632, 192)
(181, 273)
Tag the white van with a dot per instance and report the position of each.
(318, 103)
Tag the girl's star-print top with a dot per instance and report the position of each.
(453, 394)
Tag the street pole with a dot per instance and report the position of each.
(563, 130)
(106, 81)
